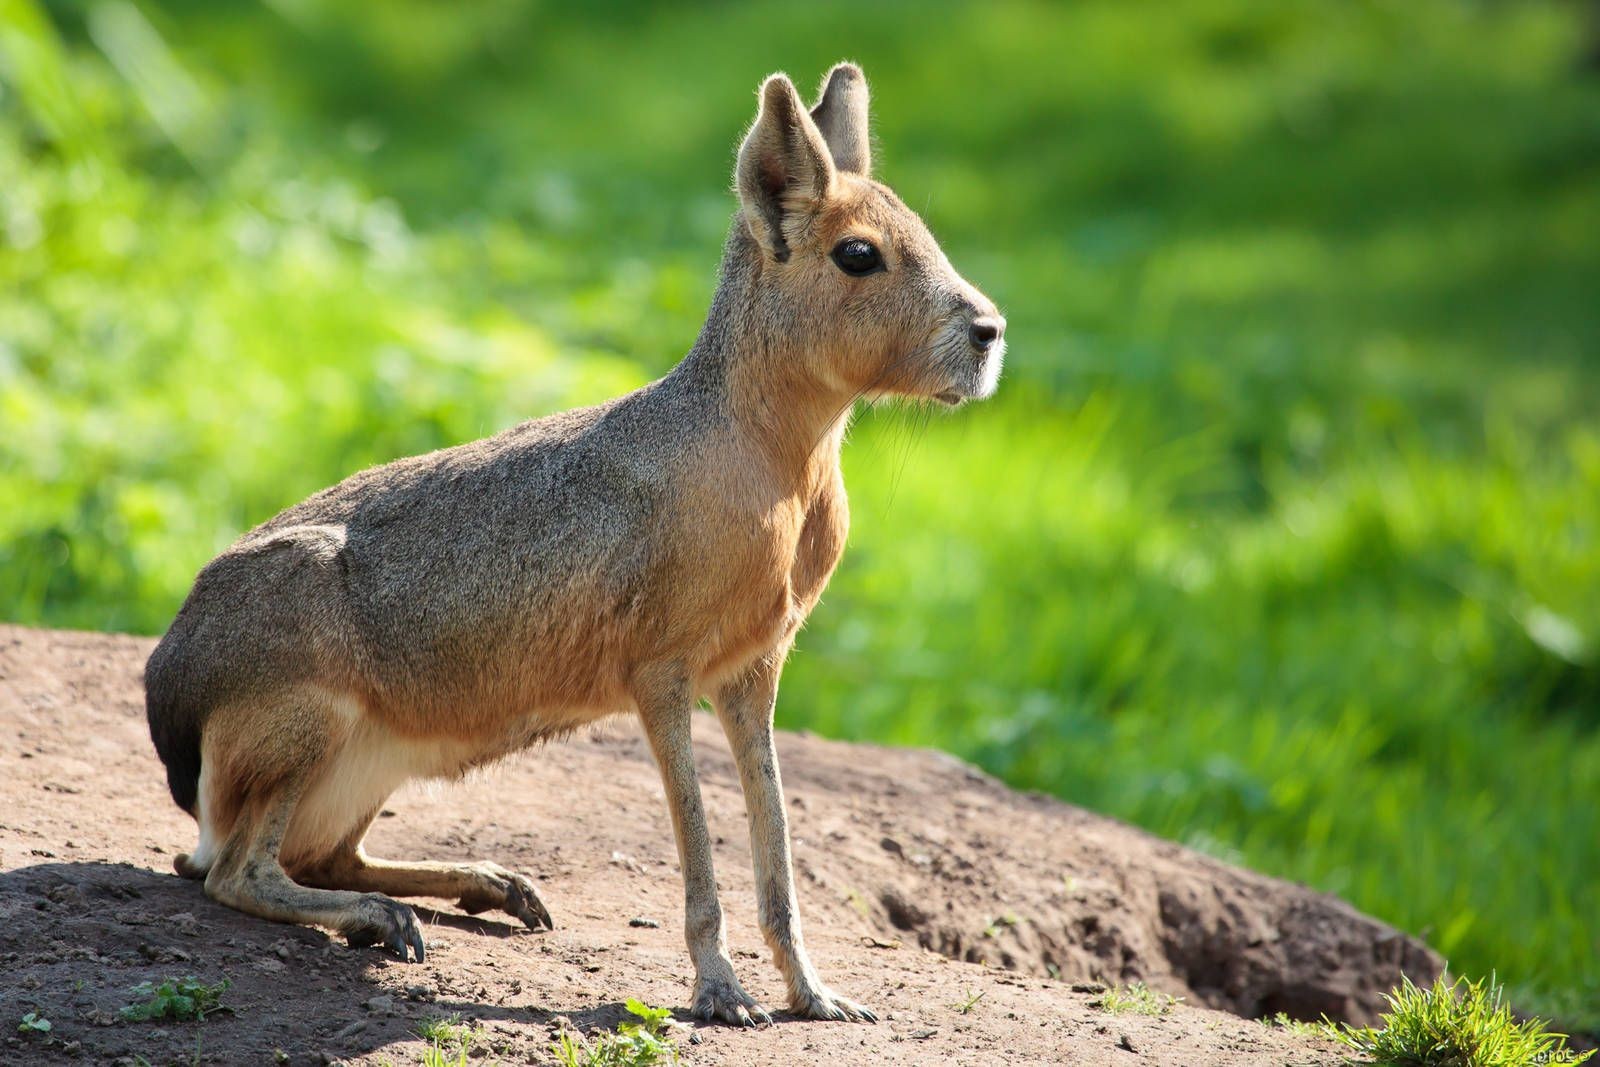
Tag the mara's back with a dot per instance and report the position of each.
(450, 591)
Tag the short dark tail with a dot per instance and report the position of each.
(175, 726)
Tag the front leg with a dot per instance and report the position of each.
(665, 705)
(745, 707)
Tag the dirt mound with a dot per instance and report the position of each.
(923, 882)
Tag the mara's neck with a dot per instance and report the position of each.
(751, 360)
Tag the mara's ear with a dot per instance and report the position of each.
(785, 171)
(841, 115)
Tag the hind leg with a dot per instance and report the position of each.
(248, 876)
(477, 887)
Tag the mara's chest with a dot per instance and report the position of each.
(771, 578)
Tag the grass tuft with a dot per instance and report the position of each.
(641, 1044)
(965, 1006)
(1301, 1027)
(1460, 1024)
(1136, 999)
(449, 1040)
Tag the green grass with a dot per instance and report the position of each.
(439, 1054)
(1282, 538)
(449, 1040)
(1459, 1024)
(1135, 999)
(179, 999)
(1300, 1027)
(634, 1044)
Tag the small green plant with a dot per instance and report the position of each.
(1460, 1024)
(448, 1029)
(965, 1006)
(435, 1055)
(639, 1044)
(176, 998)
(34, 1023)
(1136, 999)
(1282, 1021)
(449, 1041)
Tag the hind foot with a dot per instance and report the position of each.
(496, 887)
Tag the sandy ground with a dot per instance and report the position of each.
(923, 884)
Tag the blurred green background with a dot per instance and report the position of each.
(1282, 538)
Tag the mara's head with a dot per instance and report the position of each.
(846, 272)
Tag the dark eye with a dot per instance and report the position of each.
(857, 257)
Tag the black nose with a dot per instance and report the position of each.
(984, 332)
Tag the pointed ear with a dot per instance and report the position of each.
(784, 172)
(841, 115)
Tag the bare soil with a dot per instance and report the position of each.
(924, 884)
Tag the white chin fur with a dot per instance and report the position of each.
(990, 380)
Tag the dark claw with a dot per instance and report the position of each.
(525, 904)
(397, 929)
(405, 931)
(416, 944)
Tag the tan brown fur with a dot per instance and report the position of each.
(428, 616)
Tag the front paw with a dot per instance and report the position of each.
(820, 1002)
(724, 1000)
(376, 919)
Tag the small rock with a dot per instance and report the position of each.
(648, 924)
(1087, 987)
(185, 922)
(381, 1004)
(420, 992)
(622, 859)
